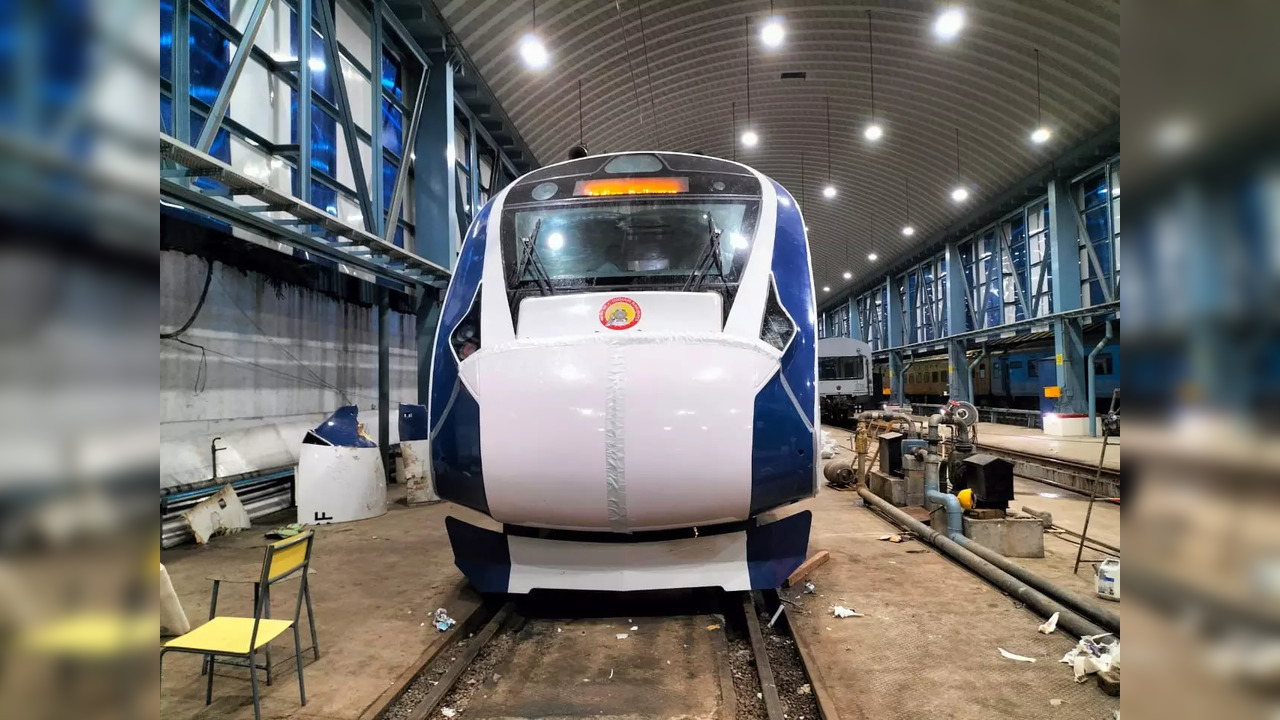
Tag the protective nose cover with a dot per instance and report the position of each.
(619, 432)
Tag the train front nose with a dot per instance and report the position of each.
(620, 433)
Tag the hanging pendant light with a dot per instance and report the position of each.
(749, 136)
(959, 193)
(774, 31)
(1042, 133)
(874, 130)
(830, 190)
(532, 51)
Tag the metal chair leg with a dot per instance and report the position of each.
(208, 691)
(266, 612)
(297, 655)
(206, 666)
(253, 680)
(311, 617)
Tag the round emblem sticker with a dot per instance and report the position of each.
(620, 313)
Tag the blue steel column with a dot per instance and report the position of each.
(435, 185)
(304, 100)
(893, 324)
(1064, 262)
(375, 122)
(961, 384)
(855, 322)
(426, 320)
(384, 380)
(182, 70)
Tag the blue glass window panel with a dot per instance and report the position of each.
(392, 128)
(1095, 191)
(210, 60)
(391, 76)
(389, 170)
(325, 198)
(324, 142)
(398, 239)
(220, 149)
(221, 8)
(166, 40)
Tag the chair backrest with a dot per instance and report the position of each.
(286, 557)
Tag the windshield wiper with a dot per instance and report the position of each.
(710, 260)
(530, 261)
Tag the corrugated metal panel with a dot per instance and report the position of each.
(671, 86)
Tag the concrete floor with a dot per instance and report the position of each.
(375, 585)
(927, 646)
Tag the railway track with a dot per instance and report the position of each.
(1066, 474)
(689, 654)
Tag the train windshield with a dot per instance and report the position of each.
(684, 243)
(841, 368)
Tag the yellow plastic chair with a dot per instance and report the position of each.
(241, 638)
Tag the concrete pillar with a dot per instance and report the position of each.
(1070, 358)
(425, 322)
(436, 236)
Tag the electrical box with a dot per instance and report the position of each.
(891, 454)
(991, 479)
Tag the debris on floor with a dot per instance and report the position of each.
(442, 620)
(807, 567)
(809, 588)
(635, 627)
(841, 611)
(1090, 656)
(1049, 625)
(219, 514)
(895, 537)
(1015, 656)
(448, 712)
(713, 627)
(284, 532)
(805, 689)
(1055, 702)
(622, 636)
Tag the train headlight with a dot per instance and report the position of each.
(776, 328)
(465, 338)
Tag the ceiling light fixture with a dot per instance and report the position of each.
(949, 23)
(907, 230)
(555, 241)
(848, 275)
(873, 257)
(1042, 133)
(749, 136)
(874, 131)
(773, 32)
(830, 190)
(960, 193)
(532, 51)
(826, 288)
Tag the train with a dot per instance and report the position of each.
(624, 377)
(846, 380)
(1014, 378)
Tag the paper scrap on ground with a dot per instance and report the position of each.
(448, 712)
(713, 627)
(804, 689)
(1091, 656)
(1015, 656)
(1049, 625)
(622, 636)
(1055, 702)
(442, 620)
(809, 588)
(841, 611)
(635, 627)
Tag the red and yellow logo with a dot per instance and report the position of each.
(620, 313)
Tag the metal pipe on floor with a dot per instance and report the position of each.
(1091, 378)
(1068, 619)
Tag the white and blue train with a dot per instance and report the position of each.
(624, 378)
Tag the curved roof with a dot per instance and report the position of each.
(663, 74)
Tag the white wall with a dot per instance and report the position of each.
(268, 360)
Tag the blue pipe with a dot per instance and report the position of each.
(955, 525)
(1091, 383)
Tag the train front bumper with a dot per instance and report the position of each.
(756, 558)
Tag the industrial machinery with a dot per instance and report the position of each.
(624, 377)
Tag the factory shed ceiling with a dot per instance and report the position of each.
(665, 74)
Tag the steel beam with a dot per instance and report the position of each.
(384, 380)
(959, 382)
(333, 61)
(182, 70)
(1104, 279)
(375, 120)
(896, 370)
(304, 100)
(402, 173)
(893, 319)
(426, 320)
(435, 178)
(219, 108)
(1070, 359)
(1007, 249)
